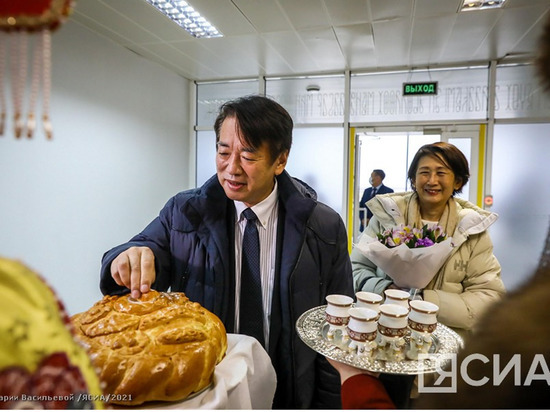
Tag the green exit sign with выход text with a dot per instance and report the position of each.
(412, 89)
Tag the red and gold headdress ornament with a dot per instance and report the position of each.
(19, 20)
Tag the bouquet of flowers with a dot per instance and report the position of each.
(410, 256)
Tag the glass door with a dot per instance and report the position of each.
(392, 150)
(467, 141)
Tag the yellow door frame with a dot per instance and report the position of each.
(351, 186)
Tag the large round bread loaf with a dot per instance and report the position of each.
(161, 347)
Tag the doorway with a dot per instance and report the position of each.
(392, 150)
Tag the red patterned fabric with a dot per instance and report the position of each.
(365, 392)
(32, 7)
(32, 15)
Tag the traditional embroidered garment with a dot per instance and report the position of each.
(42, 364)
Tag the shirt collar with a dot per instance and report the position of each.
(262, 209)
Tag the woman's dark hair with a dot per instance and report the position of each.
(260, 120)
(451, 157)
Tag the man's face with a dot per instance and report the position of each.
(246, 174)
(376, 180)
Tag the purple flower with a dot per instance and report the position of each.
(412, 237)
(424, 242)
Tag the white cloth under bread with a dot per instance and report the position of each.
(244, 379)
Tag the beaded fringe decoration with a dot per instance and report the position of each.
(18, 44)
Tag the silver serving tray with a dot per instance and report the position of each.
(311, 328)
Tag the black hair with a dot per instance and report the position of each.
(260, 120)
(451, 157)
(380, 173)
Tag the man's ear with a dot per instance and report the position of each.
(281, 163)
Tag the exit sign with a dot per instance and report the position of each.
(412, 89)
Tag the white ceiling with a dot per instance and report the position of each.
(297, 37)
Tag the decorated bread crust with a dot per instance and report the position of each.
(161, 347)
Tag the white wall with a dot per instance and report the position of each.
(120, 150)
(521, 192)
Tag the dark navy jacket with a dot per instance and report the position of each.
(367, 194)
(193, 243)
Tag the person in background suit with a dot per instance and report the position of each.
(196, 243)
(377, 188)
(515, 326)
(469, 280)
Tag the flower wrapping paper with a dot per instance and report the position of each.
(408, 267)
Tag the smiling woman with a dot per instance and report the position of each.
(469, 281)
(437, 172)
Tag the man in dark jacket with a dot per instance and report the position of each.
(194, 246)
(377, 188)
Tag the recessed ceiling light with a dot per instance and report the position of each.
(468, 5)
(185, 16)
